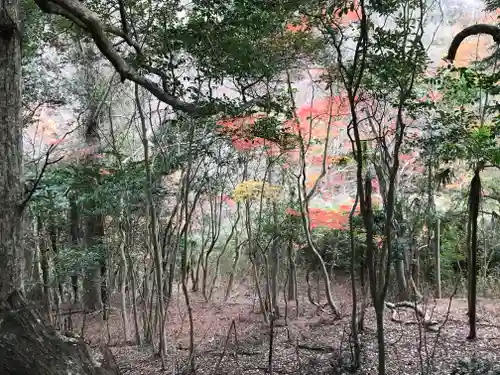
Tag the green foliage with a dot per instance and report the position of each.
(73, 260)
(242, 39)
(43, 57)
(453, 251)
(466, 123)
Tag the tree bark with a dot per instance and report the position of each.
(28, 347)
(10, 147)
(438, 259)
(74, 219)
(123, 274)
(403, 290)
(92, 281)
(292, 273)
(474, 202)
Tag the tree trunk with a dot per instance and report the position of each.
(133, 286)
(292, 273)
(36, 293)
(95, 276)
(74, 219)
(27, 346)
(10, 147)
(123, 277)
(399, 268)
(379, 315)
(229, 287)
(92, 281)
(274, 260)
(57, 292)
(474, 201)
(438, 259)
(44, 263)
(153, 232)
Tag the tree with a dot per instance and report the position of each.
(10, 147)
(469, 132)
(380, 73)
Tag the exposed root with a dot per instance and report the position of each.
(423, 319)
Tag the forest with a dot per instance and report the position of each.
(249, 187)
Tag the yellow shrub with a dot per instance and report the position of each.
(252, 190)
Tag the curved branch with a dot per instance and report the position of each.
(481, 28)
(76, 12)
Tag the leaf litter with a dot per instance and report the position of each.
(311, 343)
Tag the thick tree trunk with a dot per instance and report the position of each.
(10, 147)
(94, 283)
(403, 291)
(28, 347)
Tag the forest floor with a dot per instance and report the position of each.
(312, 343)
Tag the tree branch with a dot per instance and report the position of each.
(46, 163)
(492, 30)
(76, 12)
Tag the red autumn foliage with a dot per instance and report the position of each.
(432, 96)
(299, 27)
(333, 219)
(311, 120)
(228, 200)
(325, 108)
(239, 129)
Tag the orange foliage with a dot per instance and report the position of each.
(333, 219)
(312, 121)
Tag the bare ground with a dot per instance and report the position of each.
(312, 343)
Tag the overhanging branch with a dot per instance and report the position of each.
(81, 16)
(481, 28)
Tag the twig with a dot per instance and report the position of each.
(46, 163)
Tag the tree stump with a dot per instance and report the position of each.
(28, 346)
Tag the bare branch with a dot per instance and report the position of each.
(46, 163)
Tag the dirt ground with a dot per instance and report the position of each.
(311, 343)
